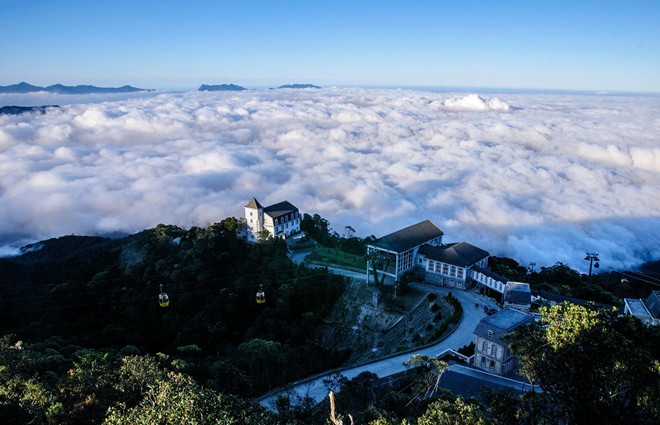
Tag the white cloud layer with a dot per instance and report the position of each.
(540, 178)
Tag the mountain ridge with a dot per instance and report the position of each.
(24, 87)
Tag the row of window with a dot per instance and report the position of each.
(285, 226)
(489, 281)
(445, 269)
(289, 216)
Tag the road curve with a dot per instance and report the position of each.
(462, 334)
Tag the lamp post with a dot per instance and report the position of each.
(593, 260)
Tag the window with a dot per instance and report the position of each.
(445, 269)
(484, 346)
(453, 271)
(493, 350)
(483, 361)
(490, 334)
(492, 365)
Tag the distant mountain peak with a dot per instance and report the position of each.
(221, 87)
(299, 86)
(24, 87)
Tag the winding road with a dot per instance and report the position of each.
(463, 334)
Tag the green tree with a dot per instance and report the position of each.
(595, 366)
(458, 412)
(177, 399)
(431, 370)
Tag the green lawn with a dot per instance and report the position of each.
(336, 256)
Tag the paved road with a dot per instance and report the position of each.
(462, 335)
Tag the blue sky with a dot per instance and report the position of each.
(569, 45)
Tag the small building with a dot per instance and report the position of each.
(396, 253)
(648, 311)
(279, 220)
(492, 352)
(517, 295)
(451, 265)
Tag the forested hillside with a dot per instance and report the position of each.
(84, 340)
(81, 305)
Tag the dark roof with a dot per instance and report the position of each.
(280, 209)
(253, 204)
(561, 298)
(491, 274)
(460, 254)
(518, 293)
(653, 304)
(408, 238)
(502, 322)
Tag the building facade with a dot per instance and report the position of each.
(396, 253)
(279, 220)
(488, 279)
(517, 295)
(419, 247)
(492, 353)
(451, 265)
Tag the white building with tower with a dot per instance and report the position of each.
(279, 220)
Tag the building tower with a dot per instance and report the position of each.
(254, 217)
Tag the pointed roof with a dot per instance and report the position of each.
(408, 238)
(254, 204)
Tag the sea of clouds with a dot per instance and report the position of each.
(537, 177)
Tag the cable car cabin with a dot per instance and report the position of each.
(261, 295)
(163, 300)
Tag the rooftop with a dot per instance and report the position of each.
(460, 254)
(500, 323)
(279, 209)
(637, 307)
(253, 204)
(653, 303)
(561, 298)
(518, 293)
(507, 319)
(408, 238)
